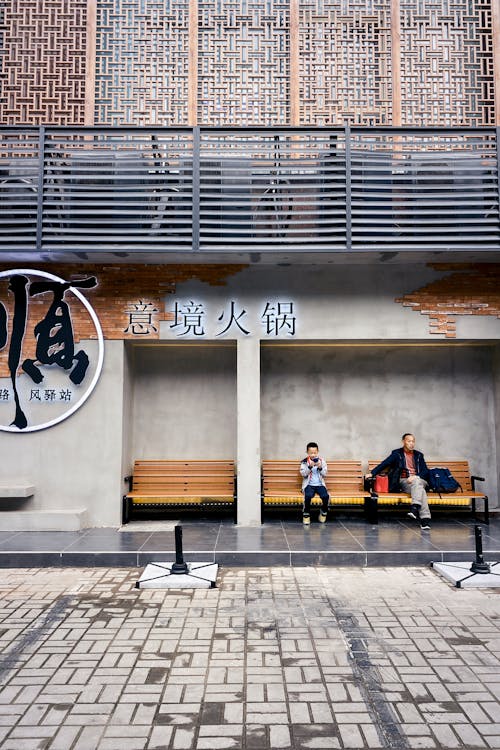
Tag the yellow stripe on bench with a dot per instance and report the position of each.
(177, 483)
(179, 500)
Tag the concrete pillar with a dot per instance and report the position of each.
(496, 400)
(248, 431)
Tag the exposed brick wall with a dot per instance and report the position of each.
(120, 288)
(470, 289)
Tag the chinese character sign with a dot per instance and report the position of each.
(198, 319)
(279, 317)
(141, 318)
(188, 318)
(67, 372)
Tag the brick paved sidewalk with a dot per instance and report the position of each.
(286, 657)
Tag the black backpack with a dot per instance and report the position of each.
(443, 481)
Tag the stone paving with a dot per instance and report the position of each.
(276, 657)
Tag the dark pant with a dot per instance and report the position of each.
(310, 491)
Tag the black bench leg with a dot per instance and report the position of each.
(486, 510)
(371, 509)
(126, 509)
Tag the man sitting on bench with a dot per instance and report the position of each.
(408, 472)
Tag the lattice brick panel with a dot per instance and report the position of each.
(446, 62)
(142, 62)
(243, 62)
(345, 69)
(42, 61)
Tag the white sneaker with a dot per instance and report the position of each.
(306, 520)
(322, 517)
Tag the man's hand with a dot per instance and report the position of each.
(369, 475)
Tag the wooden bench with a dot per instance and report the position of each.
(465, 498)
(162, 483)
(282, 481)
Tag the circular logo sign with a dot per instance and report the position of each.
(51, 348)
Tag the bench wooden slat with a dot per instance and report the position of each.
(174, 487)
(166, 482)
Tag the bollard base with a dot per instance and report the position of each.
(179, 568)
(161, 575)
(480, 567)
(462, 575)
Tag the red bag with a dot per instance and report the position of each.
(381, 483)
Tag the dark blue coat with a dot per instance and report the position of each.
(397, 465)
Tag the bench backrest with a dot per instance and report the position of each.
(458, 467)
(280, 477)
(175, 476)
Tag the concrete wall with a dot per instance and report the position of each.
(184, 402)
(351, 303)
(496, 396)
(77, 463)
(128, 413)
(357, 401)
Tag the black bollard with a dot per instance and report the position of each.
(179, 567)
(479, 566)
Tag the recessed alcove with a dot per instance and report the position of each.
(357, 399)
(183, 401)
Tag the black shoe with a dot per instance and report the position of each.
(414, 512)
(425, 524)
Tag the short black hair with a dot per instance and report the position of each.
(311, 445)
(406, 435)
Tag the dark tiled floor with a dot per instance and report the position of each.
(342, 541)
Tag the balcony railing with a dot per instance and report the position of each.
(189, 190)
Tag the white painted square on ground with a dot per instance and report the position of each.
(200, 575)
(463, 577)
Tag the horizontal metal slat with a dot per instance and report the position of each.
(261, 189)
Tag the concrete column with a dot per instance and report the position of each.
(494, 503)
(248, 431)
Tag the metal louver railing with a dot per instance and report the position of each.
(185, 190)
(425, 189)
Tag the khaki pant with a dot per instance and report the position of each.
(417, 488)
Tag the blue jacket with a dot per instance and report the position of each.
(397, 465)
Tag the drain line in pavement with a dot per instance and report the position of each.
(368, 680)
(13, 658)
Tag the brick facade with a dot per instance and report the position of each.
(120, 290)
(470, 289)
